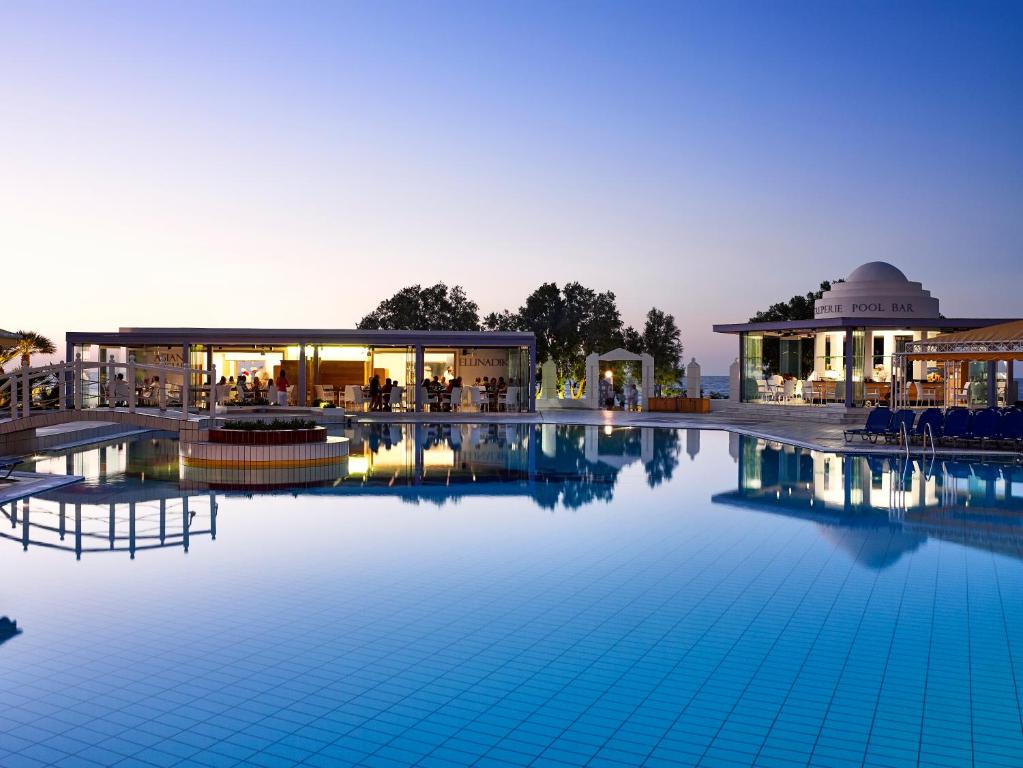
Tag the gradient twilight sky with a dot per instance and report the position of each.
(290, 164)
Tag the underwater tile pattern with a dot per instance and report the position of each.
(655, 628)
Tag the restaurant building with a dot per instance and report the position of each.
(311, 357)
(845, 354)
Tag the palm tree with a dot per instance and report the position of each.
(28, 343)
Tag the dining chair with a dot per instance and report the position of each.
(426, 398)
(475, 398)
(510, 399)
(394, 401)
(350, 394)
(788, 390)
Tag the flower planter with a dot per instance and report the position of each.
(662, 404)
(694, 404)
(268, 436)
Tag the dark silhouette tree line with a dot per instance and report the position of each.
(569, 322)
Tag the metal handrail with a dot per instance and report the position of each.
(904, 437)
(923, 448)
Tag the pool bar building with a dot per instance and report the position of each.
(845, 354)
(312, 357)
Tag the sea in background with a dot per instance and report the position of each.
(712, 384)
(719, 384)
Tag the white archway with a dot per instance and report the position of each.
(619, 355)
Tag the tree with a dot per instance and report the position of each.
(662, 338)
(595, 318)
(501, 321)
(546, 315)
(28, 343)
(632, 340)
(434, 308)
(568, 323)
(796, 308)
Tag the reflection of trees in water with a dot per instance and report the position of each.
(568, 476)
(558, 472)
(667, 448)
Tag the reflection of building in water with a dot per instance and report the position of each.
(550, 463)
(880, 507)
(86, 519)
(693, 443)
(618, 447)
(154, 457)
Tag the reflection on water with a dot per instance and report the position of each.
(877, 508)
(133, 499)
(893, 505)
(551, 464)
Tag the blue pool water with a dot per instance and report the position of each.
(519, 596)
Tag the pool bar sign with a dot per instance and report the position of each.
(872, 309)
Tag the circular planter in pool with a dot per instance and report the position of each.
(253, 464)
(268, 436)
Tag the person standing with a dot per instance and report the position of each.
(282, 388)
(375, 402)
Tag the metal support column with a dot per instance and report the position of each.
(742, 368)
(849, 365)
(531, 363)
(992, 384)
(67, 384)
(416, 385)
(300, 397)
(186, 378)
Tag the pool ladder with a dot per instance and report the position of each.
(928, 432)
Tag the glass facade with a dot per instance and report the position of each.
(752, 364)
(318, 372)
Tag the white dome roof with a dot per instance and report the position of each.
(876, 289)
(878, 272)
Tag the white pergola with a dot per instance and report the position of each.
(991, 344)
(593, 360)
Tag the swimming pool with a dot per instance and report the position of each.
(519, 595)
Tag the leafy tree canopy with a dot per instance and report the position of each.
(569, 322)
(662, 338)
(796, 308)
(434, 308)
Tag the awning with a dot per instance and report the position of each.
(993, 342)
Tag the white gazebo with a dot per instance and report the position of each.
(593, 360)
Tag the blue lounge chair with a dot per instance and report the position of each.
(1012, 428)
(902, 416)
(956, 427)
(932, 416)
(879, 422)
(985, 426)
